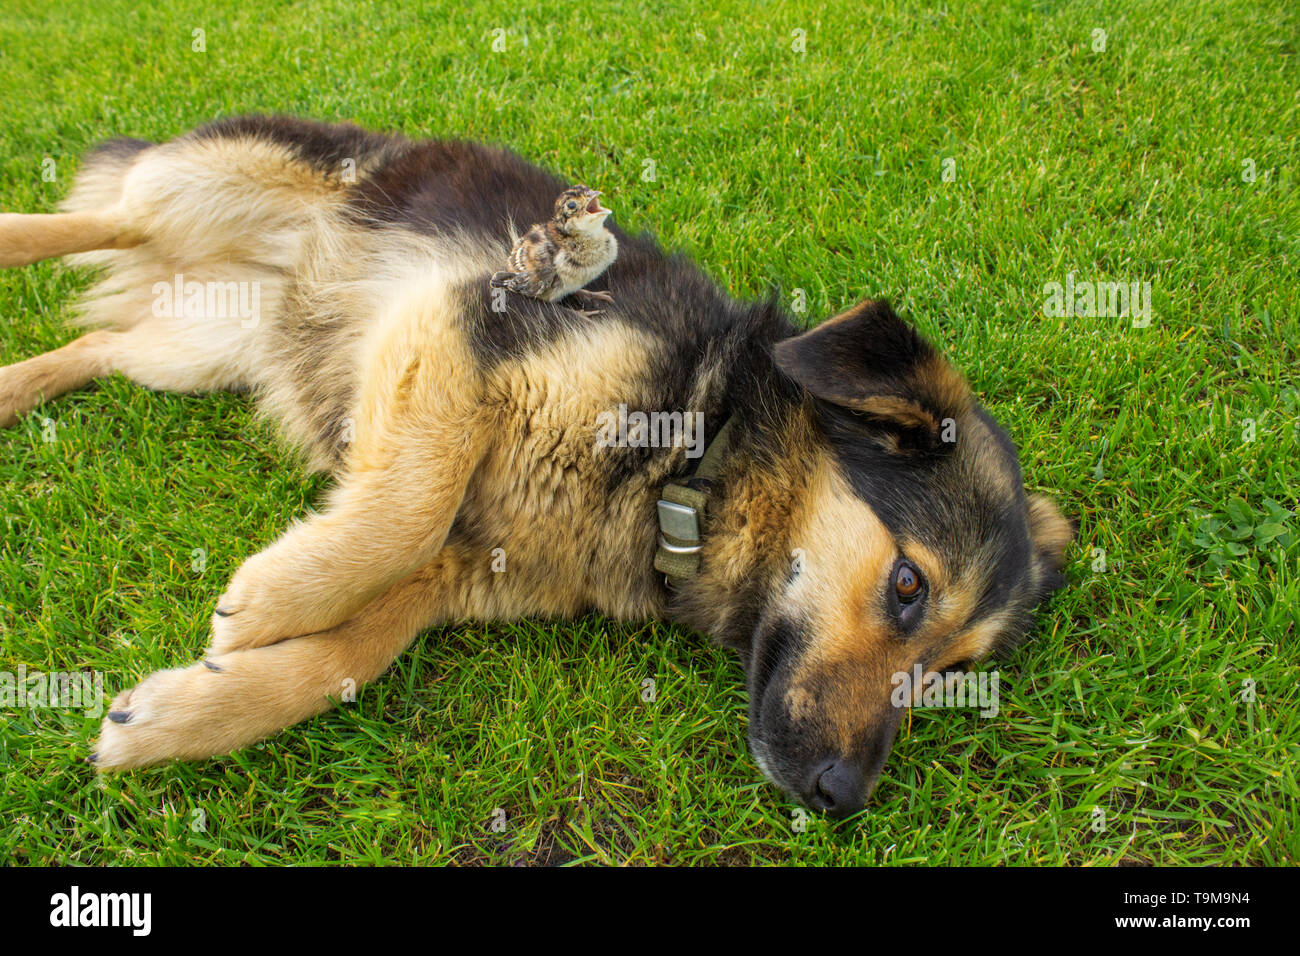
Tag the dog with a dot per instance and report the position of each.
(848, 513)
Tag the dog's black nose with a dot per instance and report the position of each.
(840, 790)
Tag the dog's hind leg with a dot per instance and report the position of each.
(159, 353)
(25, 385)
(25, 239)
(28, 238)
(232, 700)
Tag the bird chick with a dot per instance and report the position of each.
(558, 257)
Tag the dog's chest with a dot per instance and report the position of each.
(569, 516)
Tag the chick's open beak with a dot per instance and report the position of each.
(594, 207)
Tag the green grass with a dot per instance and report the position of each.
(821, 172)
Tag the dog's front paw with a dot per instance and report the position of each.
(156, 720)
(268, 601)
(248, 614)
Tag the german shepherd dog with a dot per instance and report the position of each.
(863, 515)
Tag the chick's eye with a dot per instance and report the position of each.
(570, 205)
(907, 583)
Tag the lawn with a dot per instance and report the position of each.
(955, 158)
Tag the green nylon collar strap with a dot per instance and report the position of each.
(681, 512)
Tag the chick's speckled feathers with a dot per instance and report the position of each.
(557, 258)
(532, 263)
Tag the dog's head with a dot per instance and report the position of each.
(914, 543)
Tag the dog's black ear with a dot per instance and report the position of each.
(870, 361)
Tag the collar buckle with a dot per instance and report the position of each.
(681, 510)
(679, 523)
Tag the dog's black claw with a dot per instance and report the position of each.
(94, 755)
(119, 716)
(221, 613)
(213, 667)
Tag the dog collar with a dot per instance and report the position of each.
(681, 512)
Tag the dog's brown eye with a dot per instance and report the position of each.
(907, 583)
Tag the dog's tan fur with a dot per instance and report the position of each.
(445, 460)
